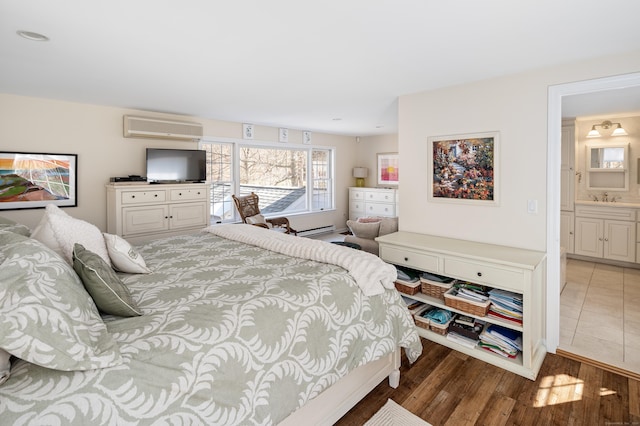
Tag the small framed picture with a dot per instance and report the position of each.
(388, 168)
(306, 137)
(247, 131)
(283, 135)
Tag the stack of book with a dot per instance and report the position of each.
(501, 340)
(470, 291)
(506, 305)
(465, 330)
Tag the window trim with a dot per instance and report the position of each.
(235, 167)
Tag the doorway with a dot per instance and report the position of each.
(557, 95)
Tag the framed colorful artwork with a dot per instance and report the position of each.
(31, 180)
(388, 168)
(463, 168)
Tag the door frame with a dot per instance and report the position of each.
(554, 133)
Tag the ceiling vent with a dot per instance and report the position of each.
(145, 127)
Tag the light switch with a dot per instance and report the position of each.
(532, 206)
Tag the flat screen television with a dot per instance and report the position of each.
(176, 165)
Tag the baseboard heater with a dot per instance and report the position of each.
(315, 231)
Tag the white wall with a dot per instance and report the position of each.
(514, 105)
(95, 134)
(367, 149)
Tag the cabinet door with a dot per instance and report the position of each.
(619, 240)
(566, 231)
(567, 175)
(141, 220)
(588, 236)
(188, 215)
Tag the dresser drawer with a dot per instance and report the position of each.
(481, 273)
(380, 209)
(412, 259)
(136, 197)
(381, 196)
(357, 206)
(356, 194)
(188, 194)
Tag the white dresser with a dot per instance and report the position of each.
(144, 212)
(364, 202)
(513, 269)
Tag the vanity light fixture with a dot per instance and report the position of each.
(594, 133)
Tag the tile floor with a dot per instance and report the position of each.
(600, 313)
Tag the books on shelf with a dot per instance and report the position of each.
(506, 305)
(462, 340)
(501, 340)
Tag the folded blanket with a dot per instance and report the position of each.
(370, 273)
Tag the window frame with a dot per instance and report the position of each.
(237, 144)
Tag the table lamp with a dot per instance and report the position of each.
(360, 173)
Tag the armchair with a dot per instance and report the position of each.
(365, 230)
(249, 211)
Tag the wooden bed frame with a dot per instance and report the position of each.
(334, 402)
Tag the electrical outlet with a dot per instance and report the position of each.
(532, 206)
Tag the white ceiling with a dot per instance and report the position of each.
(336, 66)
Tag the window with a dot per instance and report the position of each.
(280, 177)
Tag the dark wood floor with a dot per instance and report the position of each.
(446, 387)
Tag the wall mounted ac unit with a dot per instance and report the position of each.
(145, 127)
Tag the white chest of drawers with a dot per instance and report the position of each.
(143, 212)
(364, 202)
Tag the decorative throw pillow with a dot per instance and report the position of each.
(124, 258)
(59, 231)
(10, 225)
(364, 230)
(46, 315)
(110, 295)
(388, 225)
(5, 366)
(369, 219)
(252, 220)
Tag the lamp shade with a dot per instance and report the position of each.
(360, 172)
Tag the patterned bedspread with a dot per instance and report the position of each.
(231, 334)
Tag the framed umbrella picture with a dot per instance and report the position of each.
(463, 168)
(30, 180)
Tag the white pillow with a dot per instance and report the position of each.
(124, 257)
(59, 231)
(252, 220)
(5, 366)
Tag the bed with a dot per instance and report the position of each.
(222, 331)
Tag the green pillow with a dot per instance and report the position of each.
(46, 316)
(110, 295)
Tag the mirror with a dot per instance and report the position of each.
(607, 157)
(608, 166)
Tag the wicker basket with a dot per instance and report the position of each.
(408, 288)
(421, 321)
(441, 329)
(478, 309)
(435, 289)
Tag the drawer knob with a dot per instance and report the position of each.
(479, 274)
(406, 259)
(133, 196)
(179, 193)
(155, 195)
